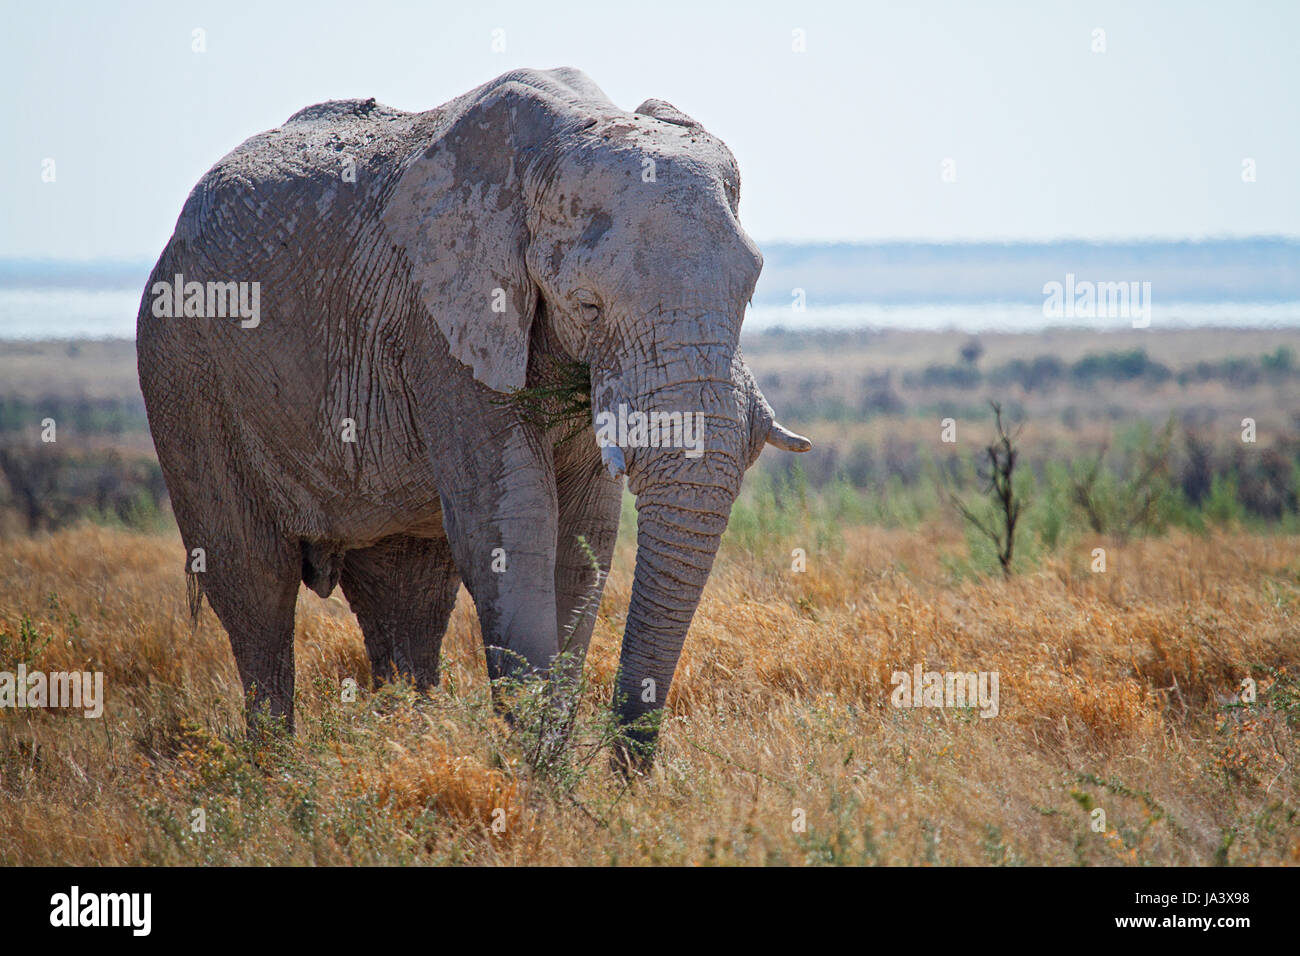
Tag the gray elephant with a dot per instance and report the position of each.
(328, 344)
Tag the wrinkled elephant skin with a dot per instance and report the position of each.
(328, 344)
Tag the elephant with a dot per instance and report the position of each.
(331, 341)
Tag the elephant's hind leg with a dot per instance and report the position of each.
(402, 590)
(253, 590)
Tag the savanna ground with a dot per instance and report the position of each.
(1120, 690)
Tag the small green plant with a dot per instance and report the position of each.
(25, 646)
(1136, 504)
(558, 736)
(561, 399)
(1223, 506)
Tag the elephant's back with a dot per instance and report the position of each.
(287, 216)
(289, 210)
(326, 162)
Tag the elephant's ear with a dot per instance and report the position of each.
(459, 214)
(662, 110)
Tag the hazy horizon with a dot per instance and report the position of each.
(933, 122)
(922, 164)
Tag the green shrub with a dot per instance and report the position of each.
(1222, 507)
(1123, 366)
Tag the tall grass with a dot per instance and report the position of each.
(1119, 689)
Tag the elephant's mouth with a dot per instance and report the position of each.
(626, 428)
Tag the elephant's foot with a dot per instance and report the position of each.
(633, 752)
(424, 675)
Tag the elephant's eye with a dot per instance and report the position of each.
(588, 305)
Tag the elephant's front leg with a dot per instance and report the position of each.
(500, 519)
(590, 503)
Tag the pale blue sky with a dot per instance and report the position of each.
(843, 142)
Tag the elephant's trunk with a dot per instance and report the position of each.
(683, 499)
(684, 495)
(676, 545)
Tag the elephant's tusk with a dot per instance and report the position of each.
(612, 456)
(786, 440)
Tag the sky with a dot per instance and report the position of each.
(940, 121)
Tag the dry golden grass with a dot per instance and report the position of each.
(1113, 690)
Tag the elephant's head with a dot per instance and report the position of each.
(620, 231)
